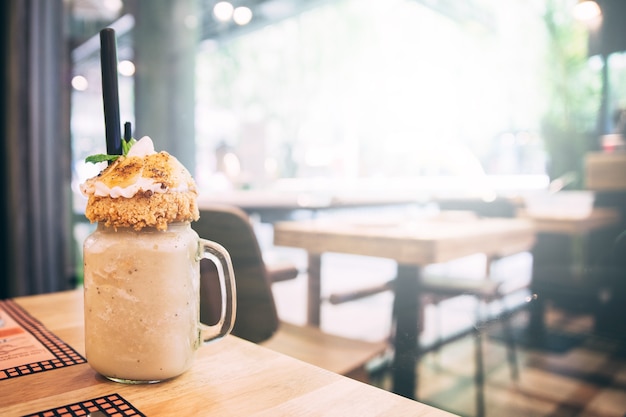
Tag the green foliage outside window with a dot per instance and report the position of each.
(569, 124)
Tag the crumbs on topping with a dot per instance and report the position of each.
(143, 210)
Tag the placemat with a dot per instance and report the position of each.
(27, 346)
(109, 405)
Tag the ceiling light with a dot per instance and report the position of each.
(126, 68)
(223, 11)
(242, 15)
(586, 10)
(113, 5)
(80, 83)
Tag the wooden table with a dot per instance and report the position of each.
(605, 171)
(231, 377)
(598, 218)
(413, 243)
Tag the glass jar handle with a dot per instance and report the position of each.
(217, 254)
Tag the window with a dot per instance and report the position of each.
(353, 90)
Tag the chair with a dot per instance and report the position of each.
(439, 288)
(436, 288)
(257, 319)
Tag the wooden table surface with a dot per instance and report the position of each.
(599, 218)
(413, 243)
(605, 171)
(231, 377)
(422, 241)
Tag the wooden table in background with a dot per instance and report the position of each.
(598, 218)
(231, 377)
(605, 171)
(413, 244)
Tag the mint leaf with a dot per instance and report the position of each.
(101, 158)
(126, 145)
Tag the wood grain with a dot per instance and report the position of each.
(605, 171)
(231, 377)
(421, 242)
(598, 219)
(413, 243)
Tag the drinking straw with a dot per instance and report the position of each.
(110, 94)
(127, 132)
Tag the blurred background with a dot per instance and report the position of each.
(422, 98)
(307, 104)
(347, 91)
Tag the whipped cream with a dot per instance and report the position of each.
(142, 170)
(143, 147)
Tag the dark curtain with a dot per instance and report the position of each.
(36, 148)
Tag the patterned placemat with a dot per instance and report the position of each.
(27, 346)
(109, 405)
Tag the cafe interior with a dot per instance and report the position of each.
(427, 196)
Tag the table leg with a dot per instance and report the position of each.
(314, 290)
(536, 326)
(406, 311)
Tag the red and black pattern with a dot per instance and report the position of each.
(63, 353)
(109, 405)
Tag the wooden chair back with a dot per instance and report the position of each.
(257, 318)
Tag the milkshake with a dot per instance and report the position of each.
(142, 270)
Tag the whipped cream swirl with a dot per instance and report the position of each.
(142, 170)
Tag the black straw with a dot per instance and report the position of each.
(110, 94)
(127, 132)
